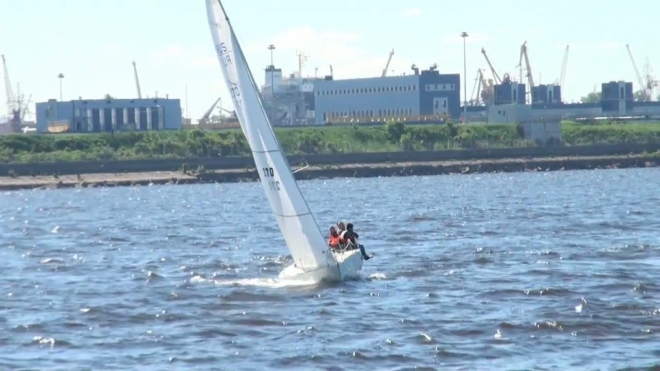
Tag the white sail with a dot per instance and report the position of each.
(298, 226)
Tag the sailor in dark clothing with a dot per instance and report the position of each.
(350, 236)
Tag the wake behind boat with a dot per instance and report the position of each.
(313, 259)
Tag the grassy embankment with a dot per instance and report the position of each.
(326, 139)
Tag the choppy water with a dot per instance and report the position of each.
(474, 272)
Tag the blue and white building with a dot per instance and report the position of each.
(107, 115)
(428, 93)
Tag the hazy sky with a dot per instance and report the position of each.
(92, 42)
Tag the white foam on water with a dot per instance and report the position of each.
(256, 282)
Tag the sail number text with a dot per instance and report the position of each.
(222, 50)
(270, 173)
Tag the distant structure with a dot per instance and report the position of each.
(546, 94)
(17, 105)
(508, 92)
(289, 101)
(425, 93)
(108, 115)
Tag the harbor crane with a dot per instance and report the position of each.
(302, 58)
(387, 65)
(651, 82)
(646, 96)
(207, 115)
(528, 69)
(17, 107)
(492, 69)
(564, 66)
(476, 90)
(137, 81)
(483, 90)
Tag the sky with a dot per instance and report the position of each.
(93, 42)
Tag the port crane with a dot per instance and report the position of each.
(564, 66)
(528, 70)
(387, 65)
(207, 115)
(643, 88)
(17, 107)
(651, 81)
(137, 81)
(492, 69)
(483, 91)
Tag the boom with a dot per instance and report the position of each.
(9, 92)
(137, 81)
(564, 66)
(528, 68)
(387, 65)
(492, 69)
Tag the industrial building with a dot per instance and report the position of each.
(617, 99)
(107, 115)
(428, 93)
(289, 101)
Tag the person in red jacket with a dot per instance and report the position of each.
(333, 240)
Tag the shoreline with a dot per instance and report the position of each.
(358, 170)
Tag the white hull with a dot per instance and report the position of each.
(349, 263)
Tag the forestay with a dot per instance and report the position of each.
(298, 226)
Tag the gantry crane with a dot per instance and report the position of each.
(137, 81)
(646, 96)
(387, 65)
(492, 69)
(528, 68)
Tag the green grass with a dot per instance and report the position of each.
(325, 139)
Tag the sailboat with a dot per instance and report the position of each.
(313, 259)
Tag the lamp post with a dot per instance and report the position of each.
(60, 76)
(271, 47)
(464, 35)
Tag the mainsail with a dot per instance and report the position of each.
(296, 222)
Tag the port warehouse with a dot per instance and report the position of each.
(106, 115)
(421, 94)
(316, 101)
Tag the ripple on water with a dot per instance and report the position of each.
(500, 271)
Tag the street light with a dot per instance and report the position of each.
(60, 76)
(464, 35)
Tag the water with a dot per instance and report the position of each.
(472, 272)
